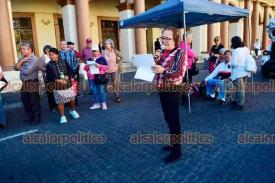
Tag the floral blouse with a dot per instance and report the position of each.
(174, 64)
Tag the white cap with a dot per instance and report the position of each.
(95, 48)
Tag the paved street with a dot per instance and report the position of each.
(120, 161)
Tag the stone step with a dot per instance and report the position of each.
(128, 67)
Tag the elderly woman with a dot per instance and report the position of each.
(214, 53)
(2, 112)
(60, 75)
(239, 73)
(170, 69)
(113, 58)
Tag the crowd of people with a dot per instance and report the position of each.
(57, 72)
(175, 66)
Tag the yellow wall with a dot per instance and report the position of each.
(100, 8)
(39, 6)
(42, 9)
(45, 33)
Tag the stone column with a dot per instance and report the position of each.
(140, 34)
(69, 20)
(247, 24)
(210, 36)
(7, 57)
(265, 34)
(126, 36)
(212, 31)
(83, 22)
(224, 30)
(255, 20)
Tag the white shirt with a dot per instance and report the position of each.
(222, 67)
(238, 63)
(257, 45)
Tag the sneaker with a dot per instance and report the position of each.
(212, 95)
(63, 119)
(95, 106)
(74, 114)
(104, 106)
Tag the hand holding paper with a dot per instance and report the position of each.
(144, 63)
(93, 68)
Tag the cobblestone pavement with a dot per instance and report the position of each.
(120, 161)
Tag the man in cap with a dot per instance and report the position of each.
(71, 47)
(86, 52)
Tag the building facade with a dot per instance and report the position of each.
(50, 21)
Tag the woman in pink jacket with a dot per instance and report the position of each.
(97, 89)
(190, 54)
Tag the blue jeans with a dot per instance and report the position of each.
(220, 84)
(2, 112)
(98, 92)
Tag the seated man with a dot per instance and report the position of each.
(218, 78)
(221, 56)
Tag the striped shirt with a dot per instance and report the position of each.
(70, 58)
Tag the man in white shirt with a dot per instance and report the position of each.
(218, 78)
(257, 47)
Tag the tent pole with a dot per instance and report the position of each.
(186, 58)
(249, 42)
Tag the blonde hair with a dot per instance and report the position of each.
(111, 42)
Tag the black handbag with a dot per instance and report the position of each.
(100, 79)
(5, 81)
(194, 69)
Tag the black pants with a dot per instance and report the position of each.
(51, 100)
(170, 103)
(30, 100)
(184, 98)
(256, 52)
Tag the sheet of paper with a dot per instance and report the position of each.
(91, 62)
(144, 63)
(93, 69)
(2, 84)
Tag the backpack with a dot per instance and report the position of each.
(251, 64)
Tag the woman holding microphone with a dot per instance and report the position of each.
(170, 69)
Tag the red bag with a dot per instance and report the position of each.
(75, 86)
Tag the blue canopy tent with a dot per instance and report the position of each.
(171, 13)
(184, 14)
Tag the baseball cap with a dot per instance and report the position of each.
(95, 47)
(88, 40)
(70, 43)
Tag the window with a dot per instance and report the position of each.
(110, 31)
(22, 31)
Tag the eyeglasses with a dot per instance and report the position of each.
(166, 38)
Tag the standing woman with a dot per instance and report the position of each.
(60, 75)
(113, 58)
(214, 53)
(170, 69)
(43, 61)
(191, 55)
(2, 112)
(239, 74)
(94, 79)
